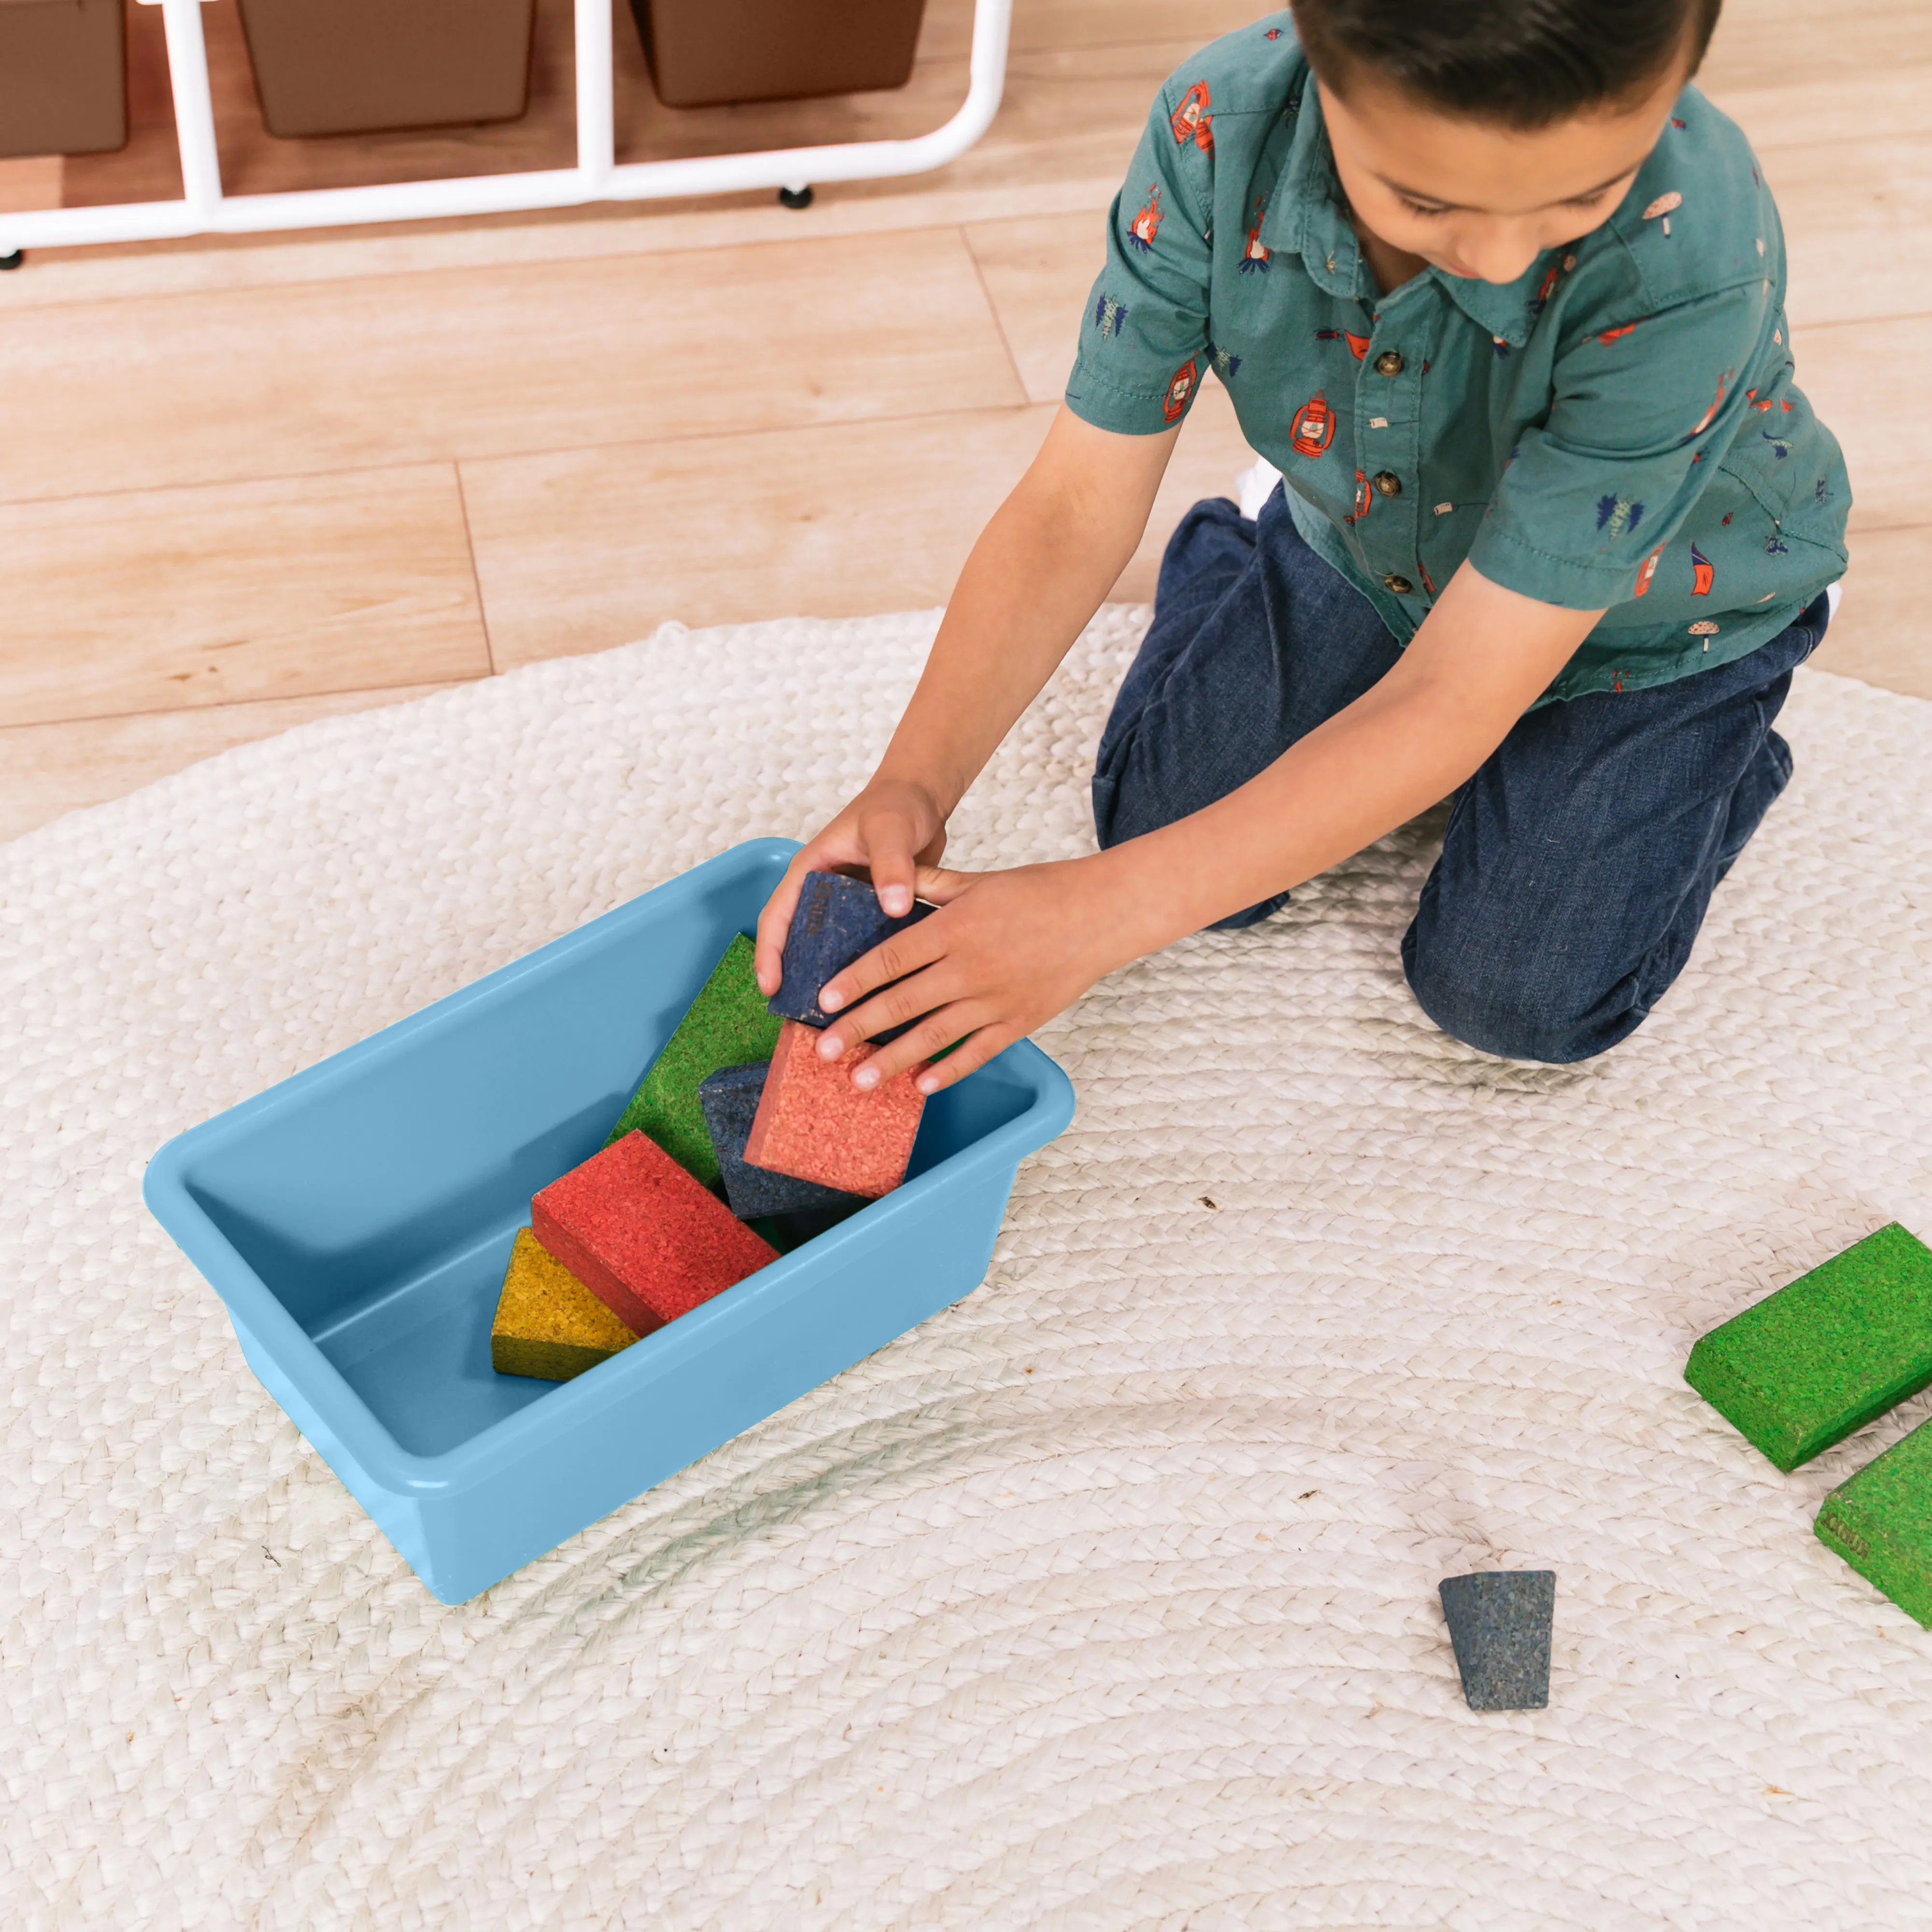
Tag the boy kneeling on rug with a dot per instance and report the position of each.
(1501, 297)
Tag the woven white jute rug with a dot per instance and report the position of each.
(1106, 1600)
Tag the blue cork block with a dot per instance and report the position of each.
(730, 1099)
(1499, 1622)
(836, 921)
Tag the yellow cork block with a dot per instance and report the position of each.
(548, 1323)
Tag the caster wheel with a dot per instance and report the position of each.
(795, 197)
(18, 259)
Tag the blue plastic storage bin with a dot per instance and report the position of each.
(356, 1221)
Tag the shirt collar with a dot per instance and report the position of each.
(1306, 217)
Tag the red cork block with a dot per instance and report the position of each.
(647, 1240)
(813, 1124)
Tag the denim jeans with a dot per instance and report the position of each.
(1578, 861)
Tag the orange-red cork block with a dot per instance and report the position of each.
(648, 1241)
(814, 1125)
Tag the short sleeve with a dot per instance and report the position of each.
(1641, 414)
(1144, 336)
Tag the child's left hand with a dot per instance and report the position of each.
(1006, 952)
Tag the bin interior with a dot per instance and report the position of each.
(378, 1203)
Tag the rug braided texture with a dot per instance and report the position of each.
(1105, 1600)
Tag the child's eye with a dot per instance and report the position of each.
(1596, 197)
(1421, 207)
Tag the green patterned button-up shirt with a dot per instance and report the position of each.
(1618, 429)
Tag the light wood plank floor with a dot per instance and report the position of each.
(249, 483)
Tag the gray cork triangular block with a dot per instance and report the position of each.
(1499, 1622)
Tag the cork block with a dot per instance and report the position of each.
(1880, 1522)
(649, 1240)
(730, 1098)
(787, 1231)
(813, 1124)
(548, 1324)
(726, 1025)
(1500, 1622)
(1822, 1357)
(836, 921)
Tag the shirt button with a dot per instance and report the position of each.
(1389, 363)
(1400, 586)
(1388, 482)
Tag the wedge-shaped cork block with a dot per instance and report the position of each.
(836, 921)
(730, 1098)
(1880, 1522)
(649, 1241)
(548, 1324)
(726, 1025)
(813, 1124)
(1499, 1622)
(1805, 1367)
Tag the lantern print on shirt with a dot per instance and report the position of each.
(1314, 426)
(1254, 253)
(1192, 121)
(1180, 386)
(1146, 225)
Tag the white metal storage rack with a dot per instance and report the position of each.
(203, 209)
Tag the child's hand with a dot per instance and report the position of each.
(1006, 951)
(890, 830)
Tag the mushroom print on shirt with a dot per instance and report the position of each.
(1619, 429)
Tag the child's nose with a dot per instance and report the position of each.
(1502, 257)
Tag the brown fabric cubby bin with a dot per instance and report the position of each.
(63, 77)
(365, 67)
(704, 52)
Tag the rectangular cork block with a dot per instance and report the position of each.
(649, 1240)
(836, 921)
(812, 1123)
(726, 1024)
(1880, 1522)
(730, 1098)
(1804, 1367)
(548, 1324)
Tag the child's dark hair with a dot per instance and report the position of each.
(1526, 63)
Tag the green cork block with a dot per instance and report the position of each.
(1880, 1522)
(1798, 1370)
(728, 1025)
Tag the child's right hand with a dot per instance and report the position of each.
(891, 829)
